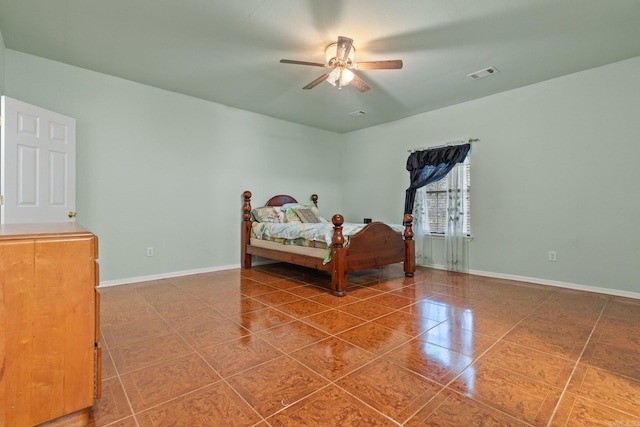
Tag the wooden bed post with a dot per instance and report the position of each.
(338, 258)
(246, 229)
(314, 199)
(409, 247)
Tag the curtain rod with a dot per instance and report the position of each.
(448, 144)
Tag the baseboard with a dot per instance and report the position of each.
(537, 281)
(566, 285)
(149, 278)
(169, 275)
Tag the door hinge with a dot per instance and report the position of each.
(1, 200)
(1, 121)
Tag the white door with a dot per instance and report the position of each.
(37, 165)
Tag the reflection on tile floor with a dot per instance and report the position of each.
(272, 347)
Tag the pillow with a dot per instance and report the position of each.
(290, 210)
(265, 214)
(307, 215)
(278, 210)
(316, 212)
(291, 206)
(290, 216)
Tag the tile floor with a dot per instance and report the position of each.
(272, 347)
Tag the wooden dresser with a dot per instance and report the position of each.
(50, 358)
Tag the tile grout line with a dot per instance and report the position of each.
(193, 349)
(197, 352)
(171, 327)
(334, 335)
(256, 334)
(288, 354)
(369, 406)
(574, 373)
(331, 335)
(575, 366)
(126, 395)
(446, 386)
(499, 339)
(169, 323)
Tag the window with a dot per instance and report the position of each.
(436, 203)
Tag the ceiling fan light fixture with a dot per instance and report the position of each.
(331, 53)
(334, 76)
(340, 58)
(340, 76)
(346, 76)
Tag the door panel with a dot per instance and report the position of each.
(57, 178)
(27, 176)
(37, 164)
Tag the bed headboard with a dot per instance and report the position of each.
(280, 200)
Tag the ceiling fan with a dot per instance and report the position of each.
(340, 57)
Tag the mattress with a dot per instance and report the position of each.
(313, 239)
(299, 250)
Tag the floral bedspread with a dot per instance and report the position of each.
(319, 232)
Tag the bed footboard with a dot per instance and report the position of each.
(374, 246)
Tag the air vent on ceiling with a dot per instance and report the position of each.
(483, 73)
(358, 113)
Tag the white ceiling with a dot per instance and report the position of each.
(228, 51)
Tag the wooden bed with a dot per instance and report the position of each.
(376, 245)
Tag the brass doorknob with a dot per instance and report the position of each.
(72, 214)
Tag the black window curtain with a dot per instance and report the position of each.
(429, 166)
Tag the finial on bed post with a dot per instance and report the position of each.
(408, 230)
(246, 208)
(338, 238)
(314, 199)
(338, 257)
(246, 229)
(409, 247)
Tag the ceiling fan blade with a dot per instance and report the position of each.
(394, 64)
(317, 81)
(359, 84)
(343, 48)
(291, 61)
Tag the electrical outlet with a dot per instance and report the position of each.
(150, 251)
(553, 256)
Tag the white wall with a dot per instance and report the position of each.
(556, 169)
(160, 169)
(2, 50)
